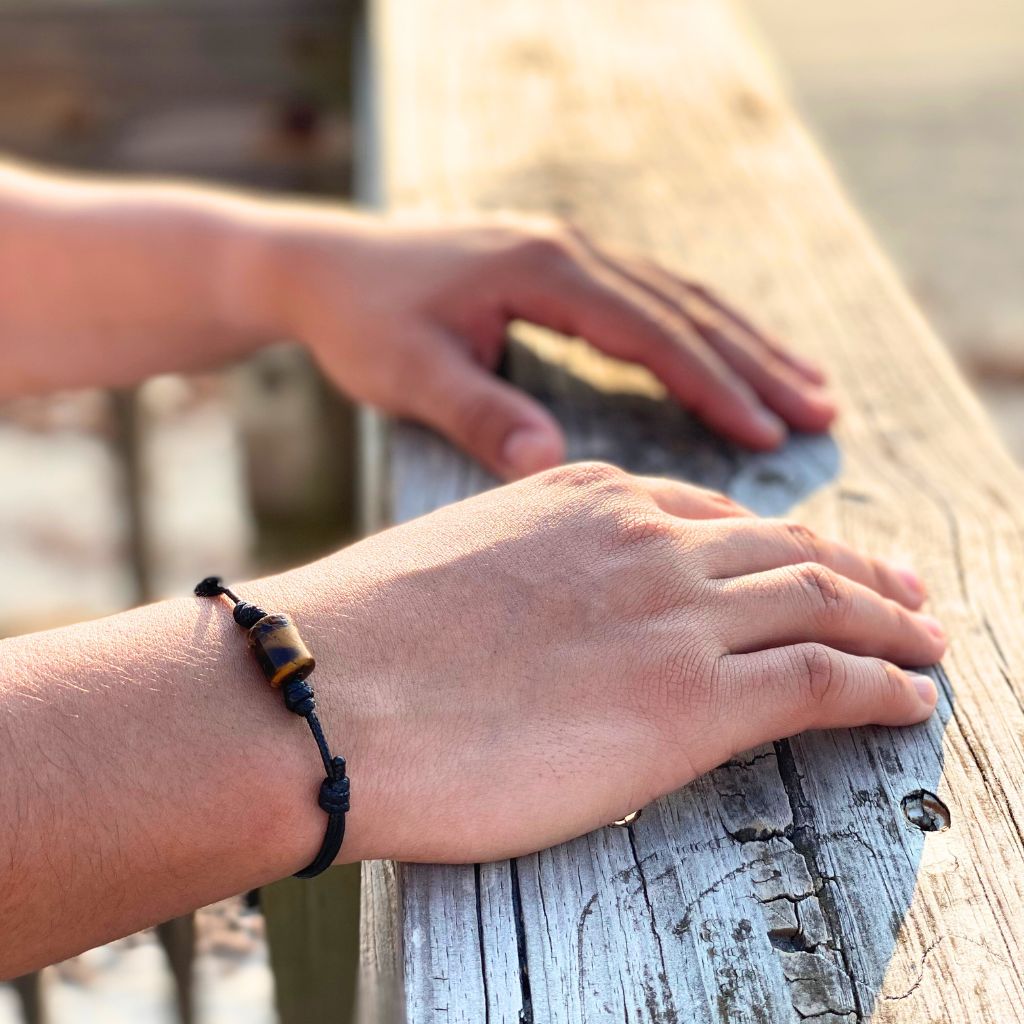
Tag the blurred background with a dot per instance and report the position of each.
(919, 106)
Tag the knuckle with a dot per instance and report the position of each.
(638, 526)
(821, 673)
(548, 245)
(590, 476)
(829, 596)
(804, 539)
(889, 679)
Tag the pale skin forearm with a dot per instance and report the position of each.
(104, 283)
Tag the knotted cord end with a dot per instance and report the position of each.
(212, 586)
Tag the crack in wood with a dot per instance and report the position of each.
(483, 944)
(920, 976)
(805, 842)
(526, 1012)
(666, 1012)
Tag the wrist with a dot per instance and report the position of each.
(325, 606)
(274, 255)
(247, 286)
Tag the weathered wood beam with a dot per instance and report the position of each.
(809, 879)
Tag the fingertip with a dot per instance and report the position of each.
(932, 624)
(937, 635)
(824, 405)
(914, 588)
(927, 693)
(768, 431)
(531, 449)
(814, 412)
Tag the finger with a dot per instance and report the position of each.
(810, 371)
(510, 433)
(584, 300)
(809, 686)
(688, 501)
(811, 603)
(761, 544)
(650, 273)
(803, 404)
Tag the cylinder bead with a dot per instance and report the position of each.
(280, 651)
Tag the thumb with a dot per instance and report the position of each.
(499, 425)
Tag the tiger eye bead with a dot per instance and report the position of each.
(280, 650)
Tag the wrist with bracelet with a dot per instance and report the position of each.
(286, 663)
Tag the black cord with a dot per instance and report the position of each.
(334, 790)
(286, 662)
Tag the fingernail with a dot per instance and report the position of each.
(909, 577)
(812, 370)
(925, 687)
(824, 399)
(932, 625)
(528, 450)
(769, 423)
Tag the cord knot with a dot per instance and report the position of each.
(298, 698)
(334, 793)
(247, 615)
(212, 586)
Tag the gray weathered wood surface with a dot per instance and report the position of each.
(795, 882)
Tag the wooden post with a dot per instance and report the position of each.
(29, 989)
(313, 926)
(177, 936)
(313, 930)
(841, 876)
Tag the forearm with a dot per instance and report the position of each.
(105, 283)
(148, 769)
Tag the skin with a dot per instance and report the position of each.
(504, 674)
(105, 284)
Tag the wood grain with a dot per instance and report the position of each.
(790, 884)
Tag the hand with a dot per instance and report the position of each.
(522, 667)
(413, 319)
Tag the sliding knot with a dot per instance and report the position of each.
(334, 795)
(298, 698)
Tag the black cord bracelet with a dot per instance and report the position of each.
(287, 662)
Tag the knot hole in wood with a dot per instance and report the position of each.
(924, 810)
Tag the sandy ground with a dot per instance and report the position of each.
(127, 982)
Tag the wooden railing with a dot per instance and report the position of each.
(843, 876)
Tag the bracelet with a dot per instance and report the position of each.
(287, 662)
